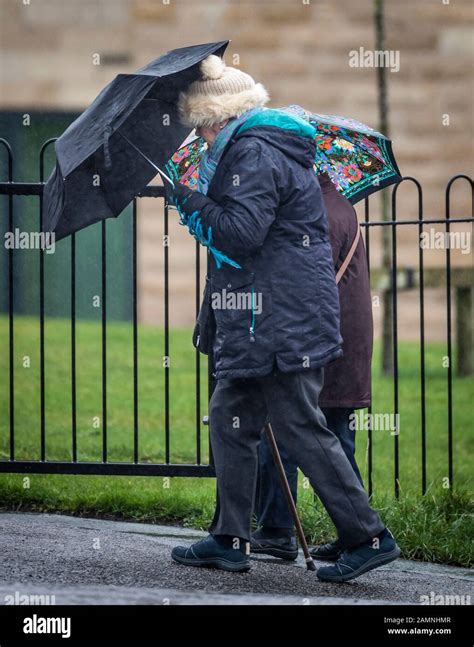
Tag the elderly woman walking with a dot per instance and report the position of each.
(260, 211)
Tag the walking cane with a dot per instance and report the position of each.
(289, 498)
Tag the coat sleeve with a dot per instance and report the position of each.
(248, 198)
(341, 219)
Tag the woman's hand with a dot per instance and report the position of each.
(183, 198)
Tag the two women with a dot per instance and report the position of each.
(260, 211)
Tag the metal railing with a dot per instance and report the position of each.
(198, 468)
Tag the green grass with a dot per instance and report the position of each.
(435, 527)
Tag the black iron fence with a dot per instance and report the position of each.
(447, 276)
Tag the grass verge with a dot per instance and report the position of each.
(436, 527)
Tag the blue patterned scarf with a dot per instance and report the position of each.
(207, 168)
(211, 157)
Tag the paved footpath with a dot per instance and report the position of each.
(93, 561)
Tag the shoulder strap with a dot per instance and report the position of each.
(350, 254)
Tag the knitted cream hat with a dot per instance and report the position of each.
(222, 92)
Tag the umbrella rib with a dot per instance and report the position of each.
(162, 173)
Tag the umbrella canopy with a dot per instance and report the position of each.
(358, 159)
(113, 149)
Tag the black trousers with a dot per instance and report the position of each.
(271, 505)
(239, 409)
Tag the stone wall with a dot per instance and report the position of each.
(300, 50)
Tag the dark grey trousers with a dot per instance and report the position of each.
(239, 409)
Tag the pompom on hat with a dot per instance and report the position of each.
(221, 93)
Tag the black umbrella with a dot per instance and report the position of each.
(114, 149)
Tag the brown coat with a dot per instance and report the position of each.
(347, 380)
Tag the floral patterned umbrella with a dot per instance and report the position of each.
(358, 159)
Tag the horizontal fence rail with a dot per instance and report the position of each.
(11, 189)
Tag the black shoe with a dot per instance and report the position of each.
(211, 552)
(282, 547)
(327, 552)
(361, 559)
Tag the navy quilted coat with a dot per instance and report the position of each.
(266, 211)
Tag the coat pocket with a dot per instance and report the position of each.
(205, 328)
(232, 299)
